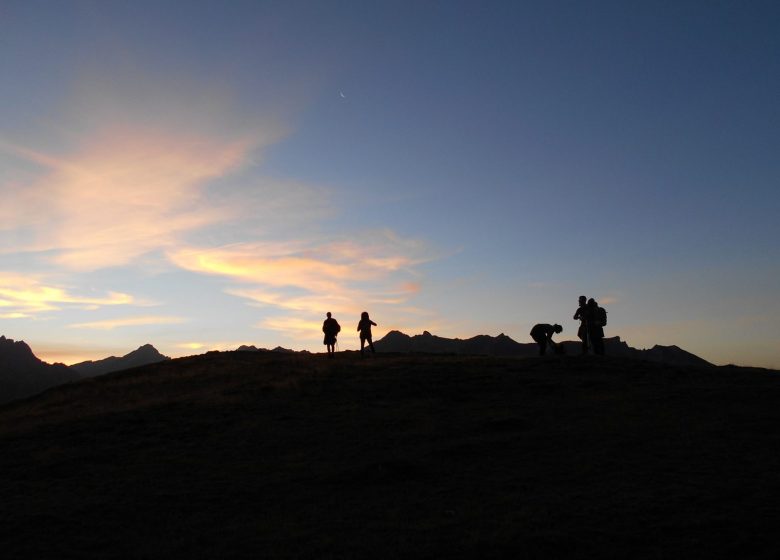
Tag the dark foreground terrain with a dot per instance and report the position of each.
(269, 455)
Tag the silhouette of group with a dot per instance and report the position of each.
(592, 319)
(331, 328)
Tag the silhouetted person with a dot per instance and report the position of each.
(543, 333)
(582, 332)
(364, 326)
(331, 328)
(595, 317)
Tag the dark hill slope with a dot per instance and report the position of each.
(244, 454)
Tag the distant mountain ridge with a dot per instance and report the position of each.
(502, 345)
(278, 349)
(143, 355)
(22, 374)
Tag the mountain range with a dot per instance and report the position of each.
(502, 345)
(22, 374)
(146, 354)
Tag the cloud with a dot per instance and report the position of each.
(25, 296)
(305, 278)
(132, 167)
(121, 182)
(123, 195)
(294, 327)
(313, 265)
(301, 275)
(110, 324)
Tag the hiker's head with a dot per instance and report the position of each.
(364, 315)
(592, 303)
(328, 314)
(583, 299)
(557, 328)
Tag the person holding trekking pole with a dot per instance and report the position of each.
(596, 319)
(331, 328)
(582, 332)
(364, 326)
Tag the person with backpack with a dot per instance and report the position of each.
(596, 319)
(582, 332)
(364, 326)
(542, 335)
(331, 328)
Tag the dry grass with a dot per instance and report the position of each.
(289, 456)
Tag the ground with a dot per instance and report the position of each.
(245, 454)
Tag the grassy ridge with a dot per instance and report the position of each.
(273, 455)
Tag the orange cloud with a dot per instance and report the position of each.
(23, 296)
(307, 278)
(129, 169)
(125, 195)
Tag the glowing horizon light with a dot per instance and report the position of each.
(111, 324)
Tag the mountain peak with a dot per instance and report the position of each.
(147, 350)
(16, 354)
(23, 374)
(143, 355)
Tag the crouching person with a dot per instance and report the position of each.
(542, 335)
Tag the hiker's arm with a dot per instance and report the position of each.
(373, 323)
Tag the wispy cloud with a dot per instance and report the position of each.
(178, 182)
(298, 328)
(129, 168)
(303, 279)
(25, 296)
(124, 195)
(110, 324)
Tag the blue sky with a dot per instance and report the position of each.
(200, 175)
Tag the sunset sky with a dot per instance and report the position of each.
(201, 175)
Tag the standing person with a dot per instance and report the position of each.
(595, 317)
(582, 332)
(543, 333)
(364, 326)
(331, 328)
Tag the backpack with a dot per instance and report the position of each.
(602, 316)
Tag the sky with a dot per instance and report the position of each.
(200, 175)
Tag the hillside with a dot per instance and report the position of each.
(273, 455)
